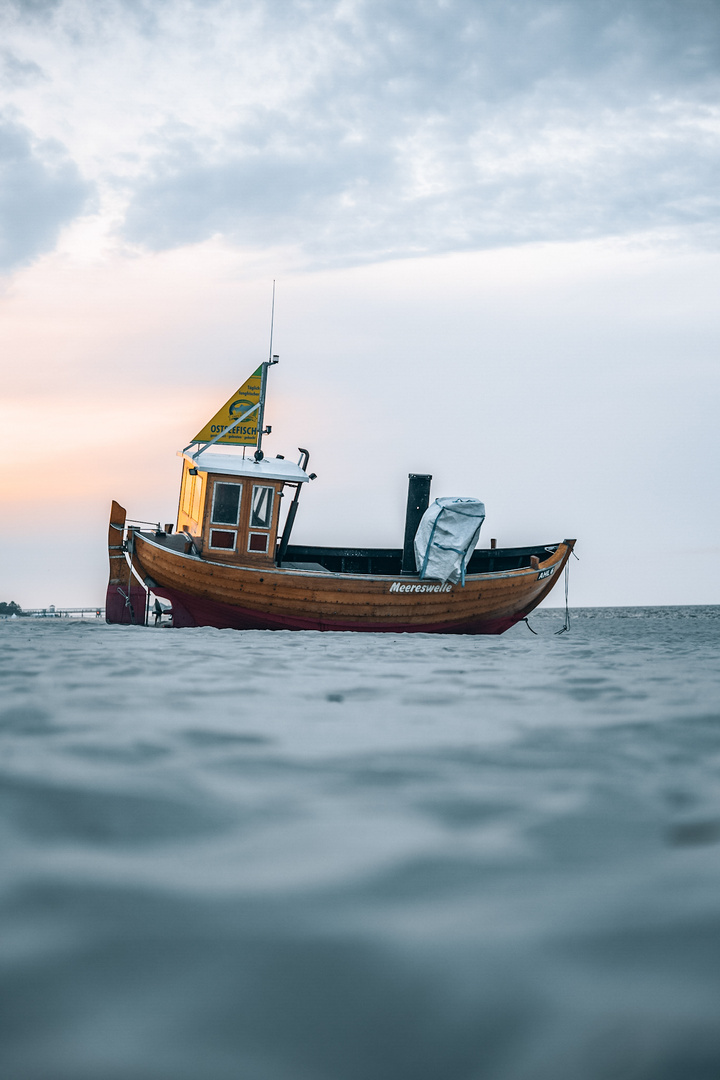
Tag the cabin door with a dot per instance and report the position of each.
(262, 506)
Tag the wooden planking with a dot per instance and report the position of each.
(283, 588)
(118, 565)
(339, 599)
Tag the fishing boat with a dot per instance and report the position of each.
(228, 562)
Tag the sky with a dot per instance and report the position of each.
(494, 228)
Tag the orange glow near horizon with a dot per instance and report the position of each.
(488, 370)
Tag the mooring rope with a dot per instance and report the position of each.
(566, 626)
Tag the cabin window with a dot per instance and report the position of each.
(262, 508)
(188, 493)
(197, 497)
(226, 504)
(222, 539)
(258, 542)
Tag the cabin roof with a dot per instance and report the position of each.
(236, 465)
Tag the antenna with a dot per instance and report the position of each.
(272, 322)
(263, 385)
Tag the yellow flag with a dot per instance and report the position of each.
(244, 434)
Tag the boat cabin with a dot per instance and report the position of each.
(230, 505)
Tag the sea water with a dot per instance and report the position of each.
(301, 856)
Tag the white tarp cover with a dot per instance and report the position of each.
(446, 538)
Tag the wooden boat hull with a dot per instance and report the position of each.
(126, 599)
(204, 592)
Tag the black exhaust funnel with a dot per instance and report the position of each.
(417, 503)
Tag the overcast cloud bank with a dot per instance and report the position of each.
(40, 191)
(370, 130)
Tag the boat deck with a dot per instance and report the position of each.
(388, 561)
(380, 561)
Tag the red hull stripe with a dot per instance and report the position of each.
(194, 611)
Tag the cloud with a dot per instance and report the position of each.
(357, 130)
(15, 71)
(40, 191)
(34, 9)
(445, 126)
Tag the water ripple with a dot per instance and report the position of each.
(310, 857)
